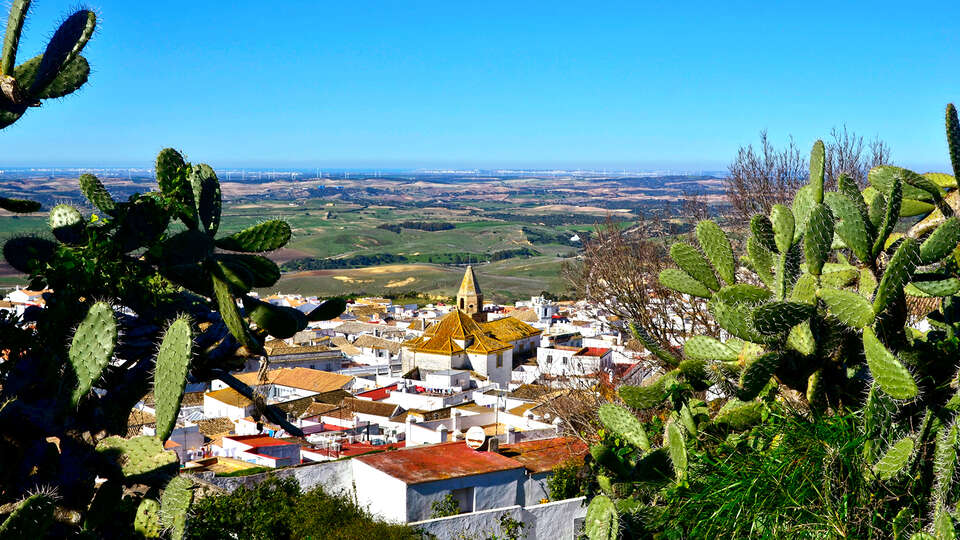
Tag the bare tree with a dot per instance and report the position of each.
(847, 154)
(759, 179)
(618, 273)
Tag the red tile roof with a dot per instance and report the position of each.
(377, 393)
(438, 462)
(545, 454)
(258, 441)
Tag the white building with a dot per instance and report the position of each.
(562, 361)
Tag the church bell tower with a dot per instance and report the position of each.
(469, 297)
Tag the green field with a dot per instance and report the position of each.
(325, 229)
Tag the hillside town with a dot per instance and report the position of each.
(388, 395)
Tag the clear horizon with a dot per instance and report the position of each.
(435, 85)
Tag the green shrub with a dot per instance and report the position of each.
(276, 509)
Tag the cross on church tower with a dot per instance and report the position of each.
(469, 297)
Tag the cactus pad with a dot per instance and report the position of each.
(266, 236)
(279, 321)
(848, 307)
(739, 415)
(328, 309)
(840, 278)
(737, 319)
(19, 206)
(175, 504)
(762, 230)
(171, 171)
(139, 457)
(695, 264)
(892, 377)
(801, 339)
(817, 240)
(933, 287)
(783, 227)
(67, 224)
(147, 521)
(883, 177)
(28, 253)
(761, 261)
(227, 306)
(673, 439)
(644, 397)
(897, 274)
(625, 424)
(708, 348)
(953, 139)
(261, 270)
(890, 218)
(601, 520)
(170, 377)
(716, 246)
(31, 519)
(92, 347)
(817, 155)
(779, 317)
(941, 242)
(742, 293)
(803, 203)
(851, 227)
(757, 375)
(206, 196)
(945, 463)
(894, 461)
(683, 282)
(93, 190)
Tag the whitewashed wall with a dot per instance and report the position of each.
(551, 521)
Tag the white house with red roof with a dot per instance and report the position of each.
(402, 485)
(259, 449)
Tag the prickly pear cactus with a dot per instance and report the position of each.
(175, 505)
(92, 347)
(31, 519)
(148, 521)
(821, 308)
(139, 457)
(59, 71)
(170, 378)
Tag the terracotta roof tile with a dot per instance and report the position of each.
(545, 454)
(305, 379)
(438, 462)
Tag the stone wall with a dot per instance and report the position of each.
(335, 477)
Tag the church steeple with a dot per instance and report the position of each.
(469, 297)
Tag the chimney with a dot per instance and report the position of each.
(493, 445)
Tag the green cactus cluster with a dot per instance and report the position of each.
(818, 306)
(60, 70)
(163, 298)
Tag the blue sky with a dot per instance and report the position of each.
(638, 85)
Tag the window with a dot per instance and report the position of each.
(461, 303)
(499, 359)
(549, 359)
(464, 498)
(565, 360)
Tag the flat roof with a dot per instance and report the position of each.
(545, 454)
(438, 462)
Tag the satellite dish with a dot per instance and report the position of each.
(475, 437)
